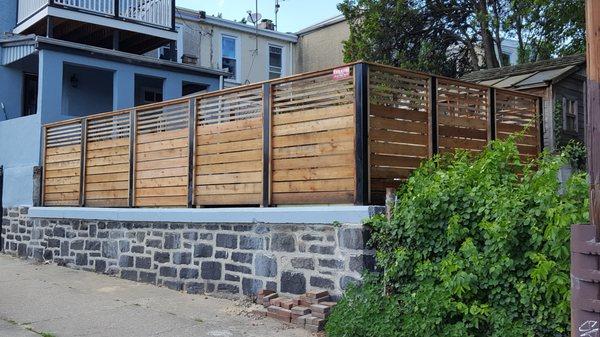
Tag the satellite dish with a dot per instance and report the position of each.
(254, 17)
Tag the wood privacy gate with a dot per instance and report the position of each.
(336, 136)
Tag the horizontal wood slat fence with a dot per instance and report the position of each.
(337, 136)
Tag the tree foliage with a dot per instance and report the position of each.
(475, 247)
(451, 37)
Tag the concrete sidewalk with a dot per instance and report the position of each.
(47, 300)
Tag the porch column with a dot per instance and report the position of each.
(50, 88)
(123, 89)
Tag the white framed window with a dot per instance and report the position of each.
(230, 56)
(570, 116)
(275, 61)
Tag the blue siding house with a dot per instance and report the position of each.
(61, 59)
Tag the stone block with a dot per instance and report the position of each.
(265, 265)
(188, 273)
(282, 242)
(203, 250)
(167, 271)
(353, 238)
(250, 287)
(251, 243)
(172, 241)
(211, 270)
(162, 257)
(228, 288)
(182, 258)
(110, 249)
(125, 261)
(322, 282)
(241, 257)
(143, 262)
(147, 277)
(303, 263)
(227, 241)
(92, 245)
(293, 283)
(330, 263)
(238, 268)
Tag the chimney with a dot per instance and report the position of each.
(266, 24)
(202, 15)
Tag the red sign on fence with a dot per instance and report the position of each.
(341, 73)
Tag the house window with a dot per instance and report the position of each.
(275, 62)
(570, 120)
(165, 52)
(152, 95)
(505, 59)
(229, 55)
(30, 94)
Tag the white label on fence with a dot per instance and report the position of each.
(341, 73)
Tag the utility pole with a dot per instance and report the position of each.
(585, 239)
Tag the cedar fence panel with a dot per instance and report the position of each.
(313, 156)
(107, 161)
(161, 156)
(62, 164)
(462, 116)
(517, 113)
(229, 149)
(399, 127)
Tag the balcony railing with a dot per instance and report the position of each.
(152, 12)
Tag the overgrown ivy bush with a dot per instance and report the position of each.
(477, 246)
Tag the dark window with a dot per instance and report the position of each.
(505, 59)
(192, 88)
(30, 94)
(275, 62)
(229, 57)
(570, 120)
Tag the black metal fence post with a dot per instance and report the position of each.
(433, 128)
(82, 163)
(266, 170)
(191, 152)
(492, 114)
(361, 103)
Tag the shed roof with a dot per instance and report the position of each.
(529, 74)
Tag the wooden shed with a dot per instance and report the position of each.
(561, 82)
(336, 136)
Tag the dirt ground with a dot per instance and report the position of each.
(52, 301)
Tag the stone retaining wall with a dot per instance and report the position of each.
(197, 258)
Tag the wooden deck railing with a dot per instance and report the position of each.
(336, 136)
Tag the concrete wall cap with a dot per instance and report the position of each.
(276, 215)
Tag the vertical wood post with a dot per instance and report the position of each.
(132, 159)
(491, 114)
(433, 124)
(117, 9)
(361, 104)
(540, 122)
(192, 153)
(593, 105)
(585, 239)
(82, 163)
(266, 169)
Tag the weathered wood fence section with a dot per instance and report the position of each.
(337, 136)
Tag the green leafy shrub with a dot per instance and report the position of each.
(476, 247)
(363, 311)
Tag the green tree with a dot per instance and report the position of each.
(450, 37)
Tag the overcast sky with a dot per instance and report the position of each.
(293, 14)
